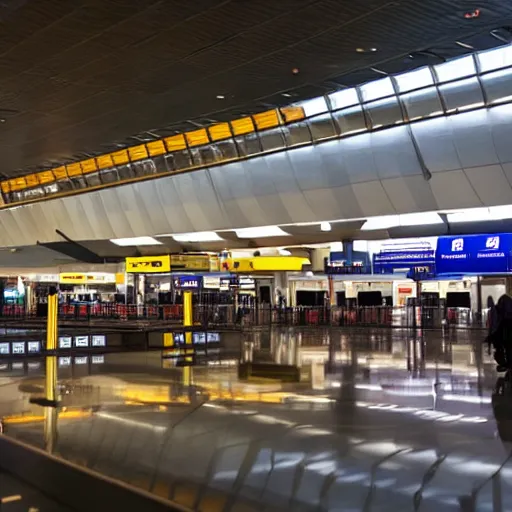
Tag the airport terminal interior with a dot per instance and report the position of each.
(255, 256)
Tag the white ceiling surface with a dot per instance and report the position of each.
(469, 155)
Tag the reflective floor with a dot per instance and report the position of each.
(376, 421)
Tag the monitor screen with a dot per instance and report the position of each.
(99, 341)
(34, 347)
(179, 337)
(98, 359)
(18, 347)
(81, 360)
(199, 338)
(17, 366)
(5, 348)
(64, 361)
(65, 342)
(81, 341)
(34, 365)
(213, 337)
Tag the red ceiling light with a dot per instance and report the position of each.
(472, 14)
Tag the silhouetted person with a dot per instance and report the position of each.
(500, 332)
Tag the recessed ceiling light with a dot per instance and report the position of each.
(260, 232)
(472, 14)
(138, 240)
(325, 226)
(200, 236)
(221, 97)
(286, 95)
(366, 50)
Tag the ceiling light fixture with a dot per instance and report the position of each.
(221, 97)
(325, 226)
(200, 236)
(135, 241)
(261, 232)
(366, 50)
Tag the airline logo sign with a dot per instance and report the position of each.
(148, 265)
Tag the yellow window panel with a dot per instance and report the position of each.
(104, 161)
(5, 187)
(89, 166)
(197, 137)
(176, 143)
(120, 157)
(242, 126)
(220, 131)
(291, 114)
(156, 147)
(265, 120)
(32, 180)
(74, 169)
(46, 177)
(18, 184)
(60, 173)
(138, 152)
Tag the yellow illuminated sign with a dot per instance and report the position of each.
(198, 262)
(265, 264)
(82, 278)
(148, 264)
(72, 278)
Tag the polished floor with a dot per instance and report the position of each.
(380, 421)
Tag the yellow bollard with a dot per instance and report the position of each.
(51, 324)
(188, 321)
(50, 412)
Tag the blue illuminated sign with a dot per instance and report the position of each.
(474, 254)
(388, 262)
(188, 282)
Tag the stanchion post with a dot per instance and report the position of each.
(50, 411)
(188, 321)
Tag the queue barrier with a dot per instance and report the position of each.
(259, 315)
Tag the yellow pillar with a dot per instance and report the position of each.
(51, 345)
(50, 412)
(188, 321)
(51, 325)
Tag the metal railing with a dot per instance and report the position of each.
(426, 317)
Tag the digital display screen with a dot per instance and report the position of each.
(4, 367)
(34, 347)
(17, 366)
(99, 341)
(81, 341)
(4, 348)
(64, 361)
(98, 359)
(18, 347)
(179, 337)
(65, 342)
(213, 337)
(199, 338)
(81, 360)
(34, 365)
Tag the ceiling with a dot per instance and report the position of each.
(85, 77)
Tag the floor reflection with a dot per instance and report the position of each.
(321, 420)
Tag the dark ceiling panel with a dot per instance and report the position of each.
(79, 76)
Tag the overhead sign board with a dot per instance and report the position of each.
(188, 282)
(195, 262)
(148, 265)
(265, 264)
(387, 262)
(84, 278)
(474, 254)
